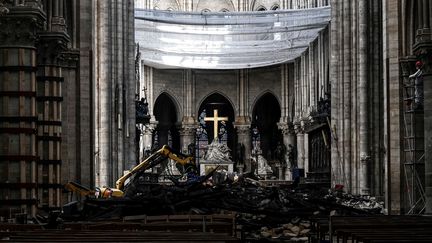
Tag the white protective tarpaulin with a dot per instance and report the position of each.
(226, 40)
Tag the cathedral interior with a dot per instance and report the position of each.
(317, 93)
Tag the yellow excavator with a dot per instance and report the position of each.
(156, 158)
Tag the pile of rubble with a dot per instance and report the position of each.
(296, 230)
(366, 203)
(266, 213)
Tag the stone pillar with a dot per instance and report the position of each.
(289, 140)
(49, 130)
(300, 145)
(363, 87)
(114, 89)
(244, 137)
(187, 136)
(71, 162)
(146, 139)
(18, 36)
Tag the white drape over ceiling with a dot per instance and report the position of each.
(228, 40)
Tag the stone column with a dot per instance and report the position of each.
(146, 139)
(18, 36)
(363, 87)
(49, 99)
(300, 145)
(71, 168)
(244, 137)
(187, 136)
(289, 139)
(189, 121)
(114, 89)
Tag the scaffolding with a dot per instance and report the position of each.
(414, 149)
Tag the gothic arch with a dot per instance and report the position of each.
(166, 114)
(167, 5)
(266, 114)
(275, 7)
(174, 101)
(259, 96)
(214, 5)
(260, 5)
(213, 93)
(225, 108)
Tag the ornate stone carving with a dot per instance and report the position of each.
(286, 128)
(70, 58)
(242, 130)
(51, 46)
(58, 24)
(188, 130)
(20, 26)
(298, 128)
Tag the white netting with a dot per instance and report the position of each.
(233, 40)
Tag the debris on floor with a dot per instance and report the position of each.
(272, 213)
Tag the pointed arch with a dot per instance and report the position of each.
(224, 107)
(176, 103)
(266, 114)
(213, 4)
(215, 93)
(174, 5)
(259, 96)
(166, 114)
(275, 7)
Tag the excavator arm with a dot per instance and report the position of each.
(153, 160)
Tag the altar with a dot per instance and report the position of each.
(217, 154)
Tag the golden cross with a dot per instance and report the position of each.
(215, 119)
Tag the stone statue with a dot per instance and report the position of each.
(142, 110)
(240, 153)
(218, 152)
(223, 131)
(280, 153)
(201, 119)
(291, 154)
(263, 167)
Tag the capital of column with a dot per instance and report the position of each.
(148, 129)
(298, 127)
(20, 26)
(188, 129)
(51, 46)
(287, 128)
(305, 123)
(243, 129)
(423, 36)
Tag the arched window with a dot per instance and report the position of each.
(275, 7)
(206, 10)
(170, 9)
(261, 8)
(224, 10)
